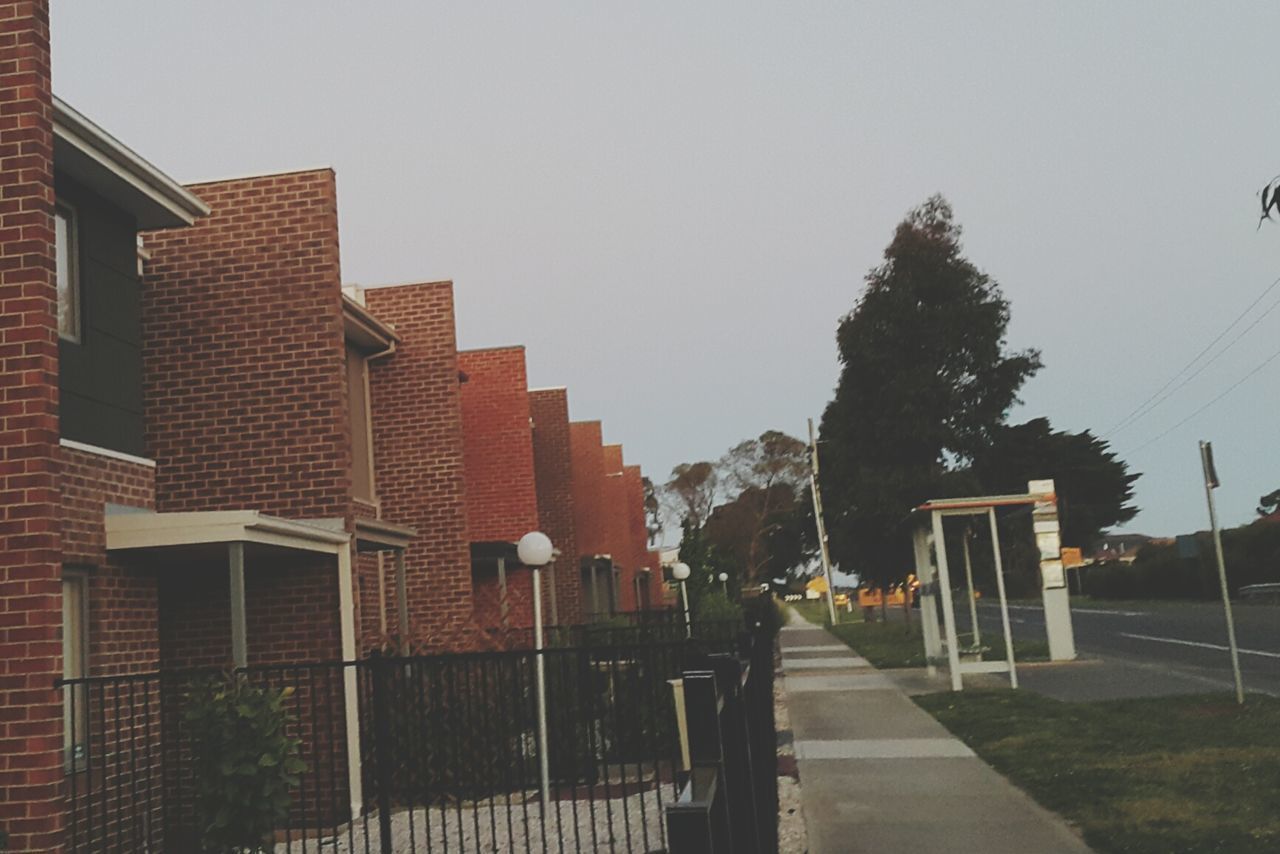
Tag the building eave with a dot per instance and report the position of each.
(90, 155)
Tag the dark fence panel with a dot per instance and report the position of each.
(730, 801)
(447, 748)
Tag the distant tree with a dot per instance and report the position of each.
(758, 532)
(652, 512)
(764, 476)
(692, 490)
(926, 381)
(705, 561)
(1094, 487)
(1269, 503)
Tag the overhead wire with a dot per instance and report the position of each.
(1257, 368)
(1159, 396)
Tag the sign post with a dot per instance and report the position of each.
(1210, 484)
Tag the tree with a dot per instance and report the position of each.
(652, 512)
(926, 380)
(705, 562)
(693, 489)
(757, 528)
(1269, 503)
(1094, 487)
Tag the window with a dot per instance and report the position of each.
(75, 665)
(68, 273)
(361, 435)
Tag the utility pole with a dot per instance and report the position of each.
(822, 528)
(1210, 484)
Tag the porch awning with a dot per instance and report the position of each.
(378, 535)
(152, 531)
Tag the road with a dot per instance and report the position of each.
(1185, 638)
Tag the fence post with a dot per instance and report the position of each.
(380, 671)
(706, 750)
(735, 737)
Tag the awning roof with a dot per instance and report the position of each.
(980, 504)
(495, 550)
(378, 535)
(149, 531)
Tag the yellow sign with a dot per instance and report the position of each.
(1072, 557)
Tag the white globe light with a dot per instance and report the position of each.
(534, 549)
(724, 576)
(680, 571)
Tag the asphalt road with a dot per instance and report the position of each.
(1187, 640)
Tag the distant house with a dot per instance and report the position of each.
(1122, 547)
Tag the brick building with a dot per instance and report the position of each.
(502, 498)
(72, 202)
(418, 445)
(553, 473)
(213, 456)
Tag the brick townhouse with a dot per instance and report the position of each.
(502, 497)
(212, 455)
(618, 571)
(553, 475)
(72, 201)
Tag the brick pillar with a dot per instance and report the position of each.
(31, 810)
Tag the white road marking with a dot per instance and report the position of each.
(1216, 646)
(1105, 612)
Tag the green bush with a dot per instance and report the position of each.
(715, 607)
(244, 764)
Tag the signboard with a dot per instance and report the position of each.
(1072, 557)
(1052, 574)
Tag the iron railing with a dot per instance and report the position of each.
(445, 757)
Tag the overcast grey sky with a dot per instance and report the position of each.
(671, 204)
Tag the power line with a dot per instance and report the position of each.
(1145, 407)
(1198, 371)
(1224, 393)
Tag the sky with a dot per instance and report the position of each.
(672, 204)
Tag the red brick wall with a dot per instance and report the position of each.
(614, 523)
(488, 598)
(31, 812)
(553, 474)
(291, 610)
(587, 457)
(418, 453)
(502, 501)
(243, 356)
(123, 596)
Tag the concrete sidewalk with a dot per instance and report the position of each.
(879, 774)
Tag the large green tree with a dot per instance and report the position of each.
(1094, 486)
(926, 380)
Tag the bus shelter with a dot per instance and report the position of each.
(929, 539)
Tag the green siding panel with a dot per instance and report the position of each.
(101, 376)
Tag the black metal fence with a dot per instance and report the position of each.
(728, 804)
(444, 755)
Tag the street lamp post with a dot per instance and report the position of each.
(724, 583)
(535, 551)
(680, 572)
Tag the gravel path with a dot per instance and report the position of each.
(632, 825)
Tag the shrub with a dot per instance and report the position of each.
(244, 764)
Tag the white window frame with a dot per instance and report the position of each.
(74, 290)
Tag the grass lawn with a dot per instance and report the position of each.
(1169, 775)
(894, 644)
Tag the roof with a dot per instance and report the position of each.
(364, 330)
(95, 158)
